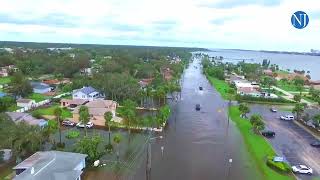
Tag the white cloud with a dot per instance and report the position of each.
(202, 23)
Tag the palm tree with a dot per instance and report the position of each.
(257, 123)
(298, 109)
(108, 117)
(58, 112)
(117, 139)
(297, 98)
(84, 117)
(244, 109)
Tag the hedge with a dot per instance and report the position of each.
(279, 166)
(73, 134)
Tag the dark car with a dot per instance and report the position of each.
(268, 134)
(315, 144)
(272, 109)
(198, 107)
(68, 123)
(200, 88)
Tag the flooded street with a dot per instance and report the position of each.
(199, 144)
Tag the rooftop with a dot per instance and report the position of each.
(86, 90)
(51, 165)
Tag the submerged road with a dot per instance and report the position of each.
(199, 144)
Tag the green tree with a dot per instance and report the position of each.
(84, 117)
(298, 109)
(297, 98)
(108, 117)
(316, 120)
(57, 113)
(5, 103)
(117, 139)
(89, 145)
(299, 82)
(20, 86)
(244, 109)
(257, 123)
(268, 82)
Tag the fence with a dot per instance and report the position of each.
(41, 103)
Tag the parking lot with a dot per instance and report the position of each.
(291, 141)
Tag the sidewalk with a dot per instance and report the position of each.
(290, 96)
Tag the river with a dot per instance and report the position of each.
(285, 61)
(198, 144)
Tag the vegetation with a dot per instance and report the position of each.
(299, 109)
(257, 123)
(84, 117)
(89, 145)
(50, 111)
(5, 80)
(279, 166)
(72, 134)
(58, 114)
(247, 98)
(108, 118)
(222, 87)
(20, 86)
(37, 97)
(257, 146)
(244, 109)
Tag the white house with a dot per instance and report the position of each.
(53, 165)
(25, 103)
(86, 93)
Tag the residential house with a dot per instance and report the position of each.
(72, 103)
(87, 93)
(26, 103)
(145, 82)
(4, 72)
(51, 165)
(17, 117)
(97, 109)
(86, 71)
(41, 88)
(268, 72)
(167, 73)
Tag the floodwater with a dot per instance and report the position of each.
(285, 61)
(198, 145)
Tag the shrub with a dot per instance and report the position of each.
(109, 148)
(60, 145)
(73, 134)
(279, 166)
(36, 114)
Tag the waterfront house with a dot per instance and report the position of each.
(41, 88)
(25, 103)
(97, 108)
(87, 93)
(17, 117)
(51, 165)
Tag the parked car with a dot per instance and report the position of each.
(68, 123)
(200, 88)
(88, 125)
(302, 169)
(287, 117)
(316, 144)
(268, 134)
(198, 107)
(273, 109)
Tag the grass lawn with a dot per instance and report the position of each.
(37, 97)
(288, 87)
(50, 111)
(257, 146)
(308, 98)
(5, 80)
(221, 86)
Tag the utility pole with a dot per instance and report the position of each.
(148, 167)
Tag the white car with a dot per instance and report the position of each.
(88, 125)
(287, 117)
(302, 169)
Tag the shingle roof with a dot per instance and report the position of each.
(51, 165)
(86, 90)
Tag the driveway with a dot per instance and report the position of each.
(291, 141)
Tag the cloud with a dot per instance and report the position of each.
(248, 24)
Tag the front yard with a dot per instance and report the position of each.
(5, 80)
(49, 111)
(38, 97)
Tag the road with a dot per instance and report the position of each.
(199, 144)
(291, 141)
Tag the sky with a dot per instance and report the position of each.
(237, 24)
